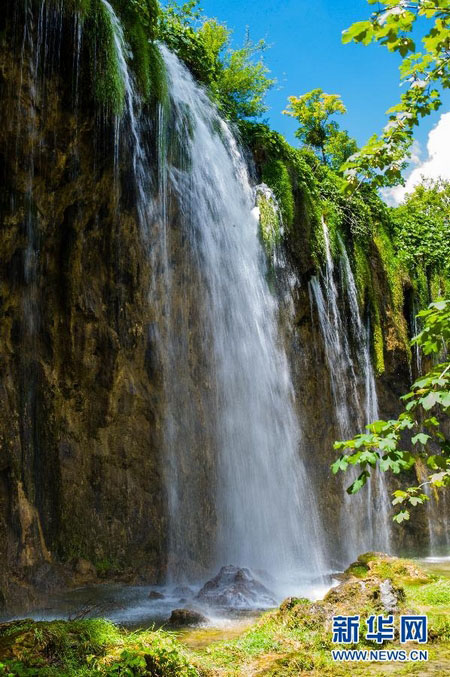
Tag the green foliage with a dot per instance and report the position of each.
(355, 214)
(395, 275)
(423, 73)
(338, 147)
(243, 80)
(428, 402)
(237, 79)
(276, 176)
(422, 228)
(89, 647)
(139, 18)
(313, 111)
(270, 220)
(109, 88)
(179, 29)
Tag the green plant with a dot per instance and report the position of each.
(421, 227)
(313, 111)
(382, 446)
(237, 79)
(276, 176)
(423, 73)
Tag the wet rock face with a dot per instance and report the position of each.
(80, 412)
(186, 617)
(389, 597)
(236, 588)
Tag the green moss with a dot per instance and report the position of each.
(396, 276)
(439, 286)
(357, 569)
(106, 566)
(378, 342)
(139, 20)
(421, 287)
(276, 176)
(362, 273)
(391, 266)
(436, 593)
(269, 221)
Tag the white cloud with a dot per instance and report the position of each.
(436, 165)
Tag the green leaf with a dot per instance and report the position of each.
(358, 483)
(401, 516)
(422, 438)
(377, 426)
(429, 401)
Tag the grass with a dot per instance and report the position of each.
(88, 647)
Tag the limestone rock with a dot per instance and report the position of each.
(236, 588)
(389, 596)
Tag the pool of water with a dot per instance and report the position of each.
(151, 606)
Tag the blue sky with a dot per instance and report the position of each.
(306, 52)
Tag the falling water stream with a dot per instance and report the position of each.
(266, 517)
(365, 517)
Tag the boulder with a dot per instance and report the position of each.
(154, 594)
(236, 588)
(183, 617)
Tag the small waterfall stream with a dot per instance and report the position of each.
(365, 517)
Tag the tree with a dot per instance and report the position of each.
(423, 74)
(314, 111)
(241, 77)
(237, 79)
(422, 424)
(422, 228)
(339, 147)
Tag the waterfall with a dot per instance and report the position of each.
(265, 516)
(378, 502)
(365, 521)
(236, 487)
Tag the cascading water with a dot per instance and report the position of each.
(365, 519)
(378, 502)
(264, 510)
(236, 487)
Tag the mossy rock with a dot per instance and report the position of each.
(397, 569)
(357, 569)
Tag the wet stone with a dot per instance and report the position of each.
(154, 594)
(236, 588)
(184, 617)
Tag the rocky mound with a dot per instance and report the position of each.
(236, 588)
